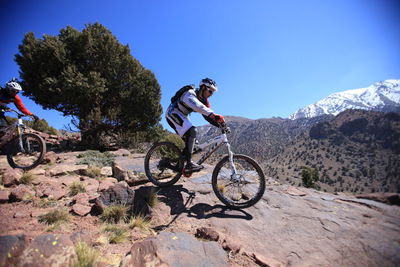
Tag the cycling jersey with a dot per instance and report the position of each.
(7, 99)
(178, 112)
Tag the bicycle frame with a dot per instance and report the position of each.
(17, 128)
(214, 144)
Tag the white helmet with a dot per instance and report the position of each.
(209, 83)
(13, 86)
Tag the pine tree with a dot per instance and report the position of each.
(90, 76)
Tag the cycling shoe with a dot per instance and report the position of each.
(193, 167)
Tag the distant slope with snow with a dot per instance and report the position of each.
(381, 96)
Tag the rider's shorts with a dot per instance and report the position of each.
(180, 123)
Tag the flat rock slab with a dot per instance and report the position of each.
(49, 250)
(178, 250)
(11, 247)
(4, 195)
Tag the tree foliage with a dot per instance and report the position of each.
(310, 176)
(90, 76)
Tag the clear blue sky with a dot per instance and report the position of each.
(268, 57)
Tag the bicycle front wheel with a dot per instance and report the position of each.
(27, 154)
(240, 190)
(163, 164)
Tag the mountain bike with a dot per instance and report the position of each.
(237, 180)
(24, 150)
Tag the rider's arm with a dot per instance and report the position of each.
(211, 121)
(190, 99)
(18, 103)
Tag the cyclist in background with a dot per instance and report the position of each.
(9, 94)
(192, 99)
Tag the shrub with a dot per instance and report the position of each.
(96, 158)
(114, 214)
(309, 176)
(173, 138)
(76, 188)
(54, 217)
(87, 255)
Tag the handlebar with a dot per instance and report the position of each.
(19, 115)
(224, 128)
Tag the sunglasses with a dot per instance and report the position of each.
(210, 91)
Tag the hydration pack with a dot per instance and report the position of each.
(181, 91)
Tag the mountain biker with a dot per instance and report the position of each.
(194, 99)
(9, 94)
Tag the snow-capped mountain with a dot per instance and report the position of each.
(381, 96)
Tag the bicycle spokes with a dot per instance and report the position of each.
(242, 188)
(163, 164)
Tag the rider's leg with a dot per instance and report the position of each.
(188, 132)
(3, 124)
(190, 138)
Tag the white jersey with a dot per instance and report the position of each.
(179, 111)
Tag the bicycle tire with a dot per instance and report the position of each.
(219, 188)
(14, 156)
(174, 156)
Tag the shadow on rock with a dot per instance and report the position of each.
(173, 197)
(205, 211)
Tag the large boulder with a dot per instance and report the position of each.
(115, 195)
(4, 195)
(50, 157)
(21, 192)
(49, 250)
(175, 249)
(11, 176)
(11, 247)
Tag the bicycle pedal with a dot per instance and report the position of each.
(186, 174)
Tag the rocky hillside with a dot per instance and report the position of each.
(66, 212)
(358, 151)
(262, 138)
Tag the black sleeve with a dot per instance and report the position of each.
(211, 121)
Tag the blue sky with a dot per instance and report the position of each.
(269, 58)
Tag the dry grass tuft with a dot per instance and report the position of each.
(141, 222)
(54, 217)
(27, 178)
(116, 233)
(87, 255)
(115, 214)
(76, 188)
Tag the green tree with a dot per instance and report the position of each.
(309, 176)
(40, 125)
(90, 76)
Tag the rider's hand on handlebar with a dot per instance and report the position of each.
(34, 117)
(218, 118)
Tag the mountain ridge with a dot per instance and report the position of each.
(381, 96)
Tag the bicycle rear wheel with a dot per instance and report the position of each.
(243, 189)
(163, 164)
(27, 156)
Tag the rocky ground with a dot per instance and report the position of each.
(188, 225)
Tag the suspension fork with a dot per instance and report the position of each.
(20, 132)
(230, 154)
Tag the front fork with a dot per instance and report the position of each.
(234, 175)
(20, 132)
